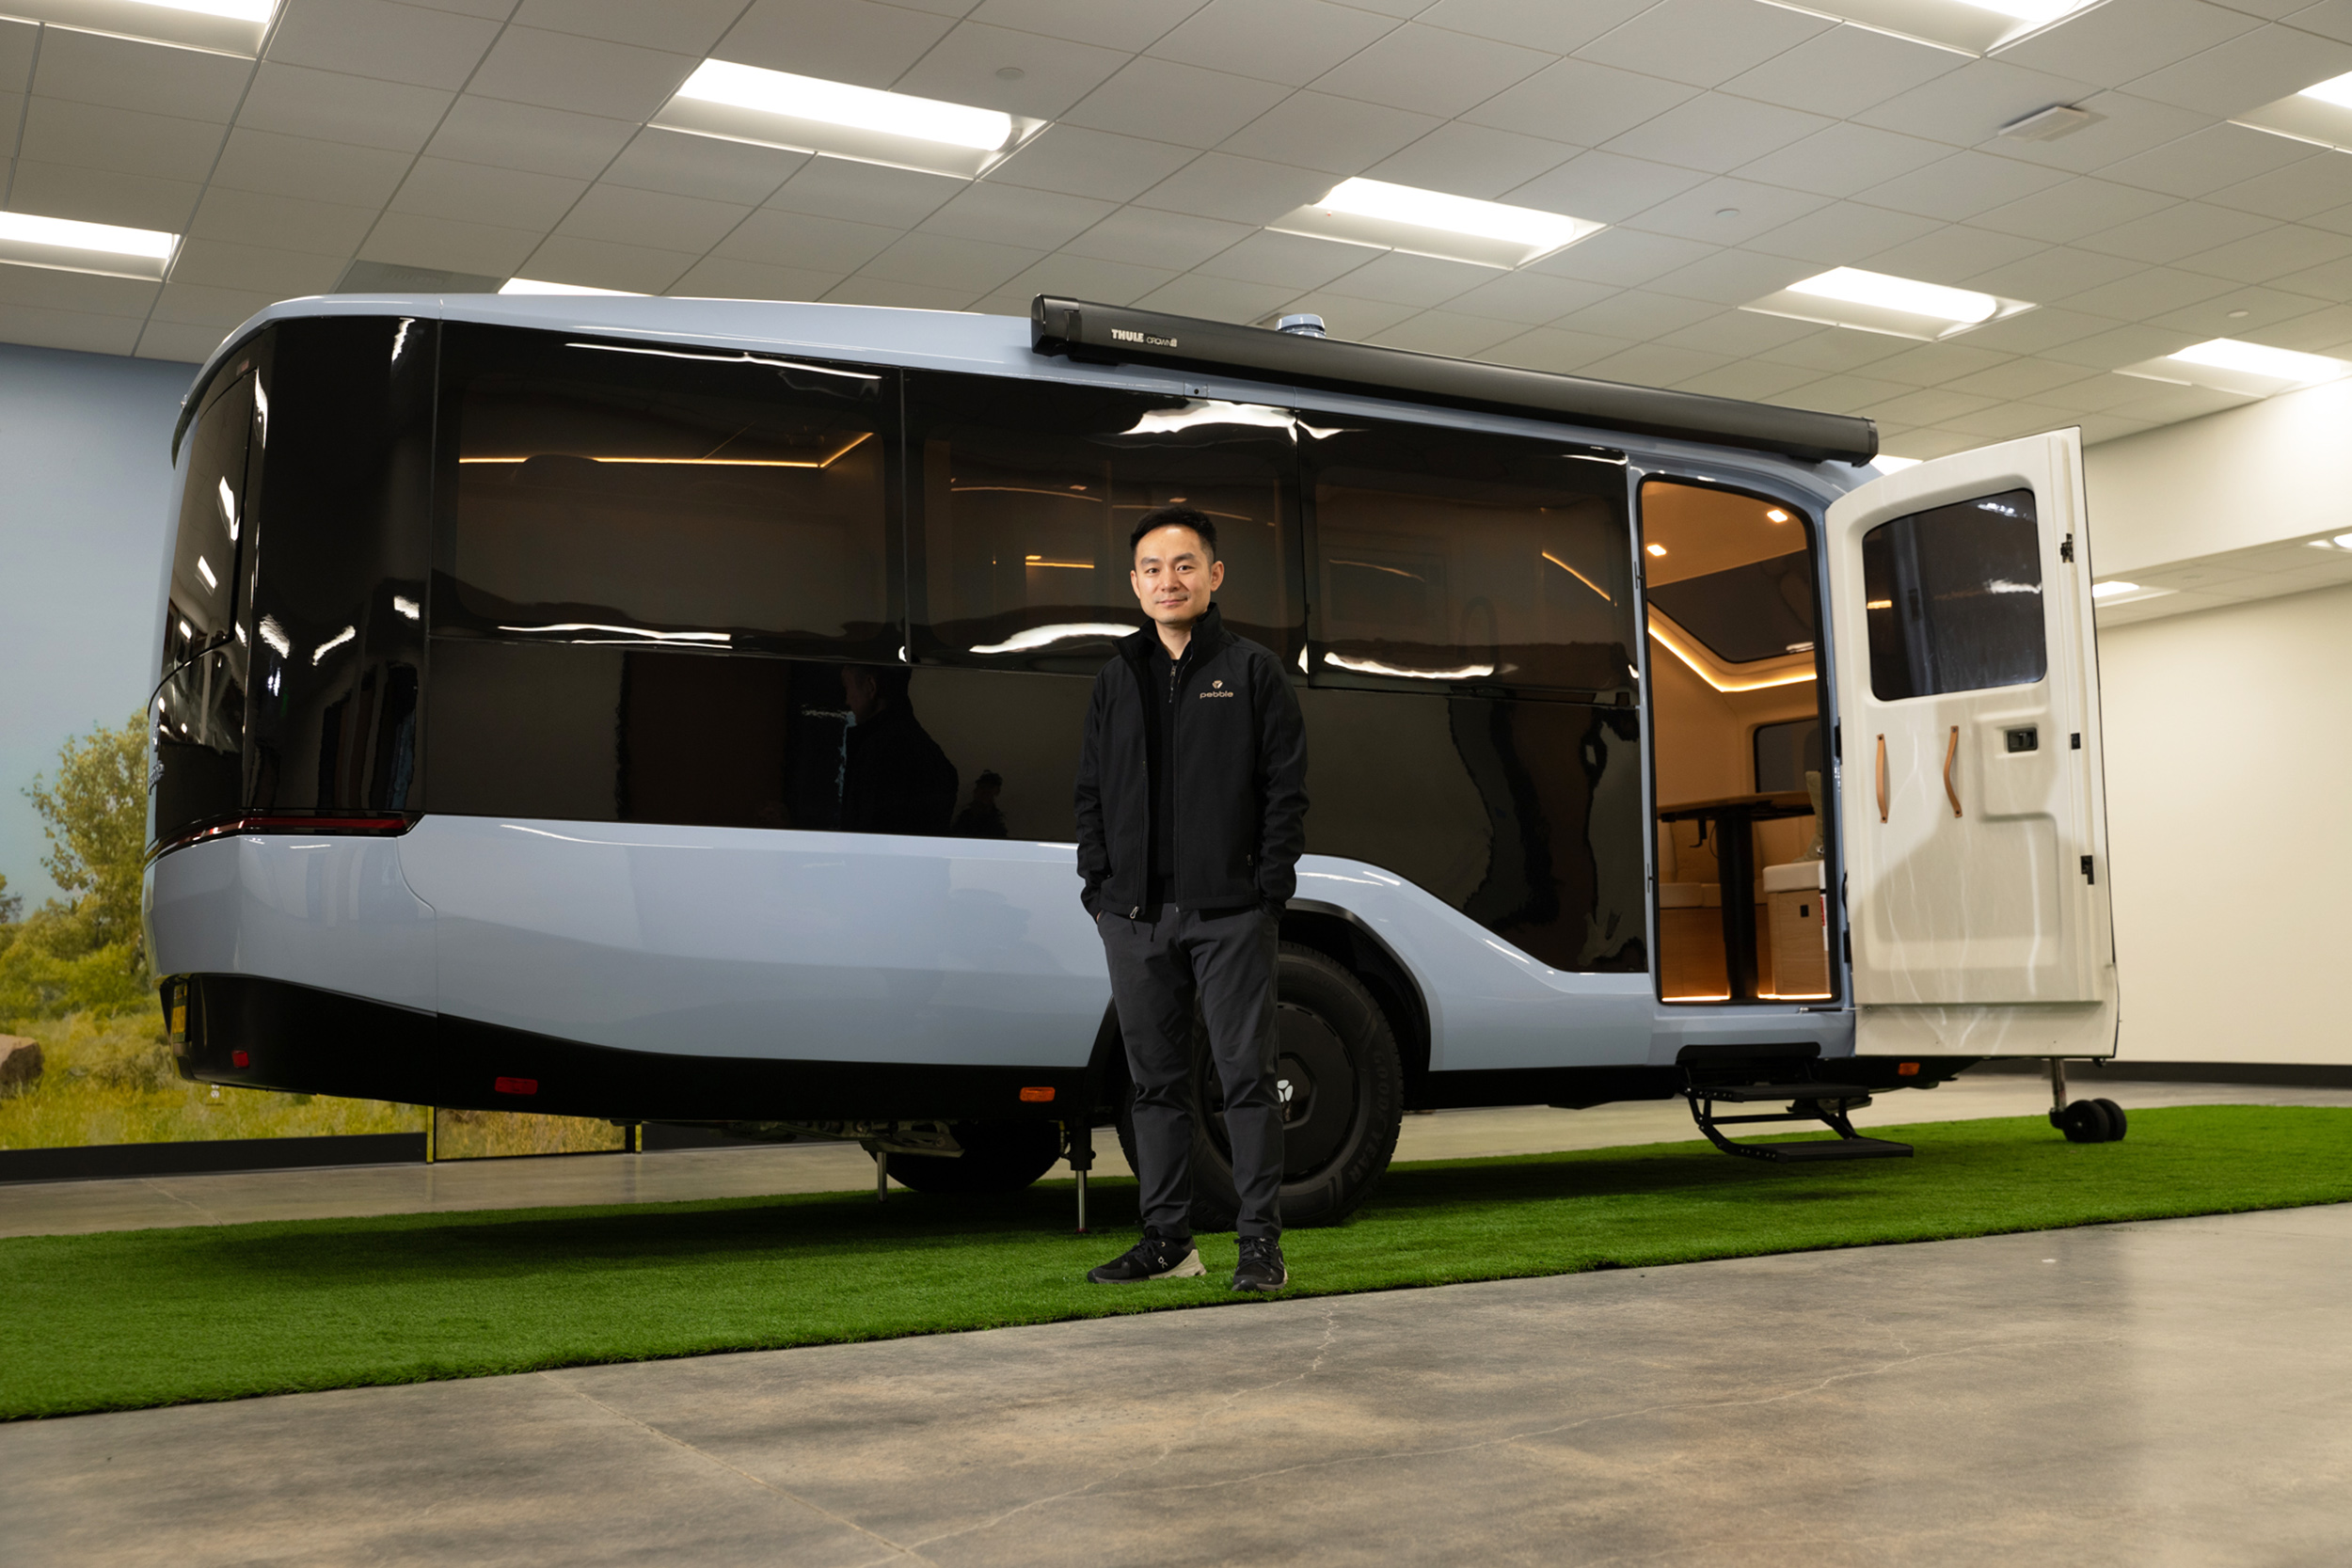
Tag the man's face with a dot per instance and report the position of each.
(1174, 577)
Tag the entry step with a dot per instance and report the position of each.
(1831, 1149)
(1751, 1094)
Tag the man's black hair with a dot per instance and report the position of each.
(1175, 516)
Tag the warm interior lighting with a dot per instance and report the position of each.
(1432, 223)
(2230, 354)
(1775, 515)
(1855, 287)
(779, 92)
(539, 286)
(1655, 550)
(1069, 566)
(1715, 676)
(1879, 604)
(2109, 590)
(1578, 576)
(854, 442)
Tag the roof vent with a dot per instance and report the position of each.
(2059, 120)
(1304, 327)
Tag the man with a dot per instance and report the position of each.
(1192, 806)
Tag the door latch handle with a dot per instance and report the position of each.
(1882, 778)
(1951, 754)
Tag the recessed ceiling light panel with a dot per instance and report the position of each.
(2231, 365)
(1879, 302)
(1431, 223)
(2320, 114)
(1977, 28)
(103, 248)
(808, 114)
(217, 26)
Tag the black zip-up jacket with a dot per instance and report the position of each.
(1239, 766)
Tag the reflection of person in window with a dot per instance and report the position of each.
(894, 777)
(984, 818)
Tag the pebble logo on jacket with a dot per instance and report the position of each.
(1216, 689)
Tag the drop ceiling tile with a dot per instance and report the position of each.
(296, 100)
(2329, 19)
(1932, 407)
(101, 196)
(48, 289)
(2008, 422)
(2018, 378)
(2331, 281)
(1844, 72)
(71, 329)
(2070, 209)
(1291, 41)
(2176, 231)
(2056, 272)
(866, 193)
(476, 193)
(1962, 185)
(1448, 332)
(1716, 131)
(277, 165)
(2150, 291)
(1078, 162)
(1736, 276)
(716, 171)
(451, 245)
(2214, 159)
(1352, 320)
(85, 136)
(2120, 346)
(963, 67)
(936, 261)
(178, 342)
(1704, 43)
(804, 243)
(1543, 25)
(1529, 298)
(1472, 160)
(685, 27)
(17, 40)
(1549, 348)
(523, 135)
(725, 277)
(590, 76)
(1843, 159)
(1401, 280)
(2337, 220)
(1953, 254)
(1605, 187)
(2299, 191)
(1971, 103)
(1167, 100)
(1725, 211)
(1847, 394)
(1938, 365)
(2325, 330)
(1010, 215)
(1750, 380)
(282, 222)
(1625, 257)
(1843, 232)
(1654, 365)
(2246, 71)
(1154, 239)
(2238, 313)
(226, 264)
(841, 40)
(122, 74)
(496, 10)
(2163, 404)
(2274, 253)
(1085, 278)
(2038, 331)
(393, 42)
(1336, 135)
(2126, 126)
(2111, 45)
(1638, 315)
(631, 216)
(1579, 102)
(11, 115)
(1432, 71)
(1239, 190)
(196, 305)
(1291, 261)
(1924, 444)
(862, 290)
(1223, 299)
(1129, 24)
(1835, 350)
(604, 264)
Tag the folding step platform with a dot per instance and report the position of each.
(1777, 1075)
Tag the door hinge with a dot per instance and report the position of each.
(2086, 874)
(2066, 548)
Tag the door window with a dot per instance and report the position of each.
(1954, 598)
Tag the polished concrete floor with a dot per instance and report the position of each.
(2174, 1392)
(50, 1208)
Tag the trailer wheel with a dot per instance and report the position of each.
(1344, 1099)
(2085, 1121)
(2117, 1122)
(998, 1157)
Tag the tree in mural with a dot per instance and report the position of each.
(86, 954)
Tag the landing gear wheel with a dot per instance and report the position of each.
(1342, 1087)
(2086, 1122)
(998, 1157)
(2117, 1122)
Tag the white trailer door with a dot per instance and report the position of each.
(1971, 796)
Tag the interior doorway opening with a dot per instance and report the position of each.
(1739, 743)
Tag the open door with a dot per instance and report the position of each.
(1972, 799)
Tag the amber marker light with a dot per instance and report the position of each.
(1041, 1096)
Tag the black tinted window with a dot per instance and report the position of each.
(1954, 598)
(633, 495)
(1762, 609)
(212, 533)
(1786, 753)
(198, 711)
(1444, 555)
(1029, 492)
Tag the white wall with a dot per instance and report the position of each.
(2229, 759)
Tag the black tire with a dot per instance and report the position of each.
(1346, 1094)
(2083, 1122)
(2117, 1123)
(998, 1157)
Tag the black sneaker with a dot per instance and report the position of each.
(1153, 1257)
(1262, 1266)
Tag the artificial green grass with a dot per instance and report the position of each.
(131, 1319)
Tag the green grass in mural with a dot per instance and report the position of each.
(157, 1317)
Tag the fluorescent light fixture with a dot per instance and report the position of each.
(216, 26)
(1881, 302)
(66, 246)
(808, 114)
(2335, 89)
(2231, 365)
(2109, 595)
(536, 286)
(1431, 223)
(2343, 541)
(2110, 588)
(1969, 28)
(2321, 113)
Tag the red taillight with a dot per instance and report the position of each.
(1906, 1070)
(516, 1085)
(240, 1058)
(367, 824)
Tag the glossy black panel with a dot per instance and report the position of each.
(616, 493)
(1525, 816)
(341, 475)
(198, 711)
(1458, 559)
(1027, 492)
(1954, 597)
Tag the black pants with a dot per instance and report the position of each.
(1158, 967)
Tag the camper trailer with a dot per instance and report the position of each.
(667, 710)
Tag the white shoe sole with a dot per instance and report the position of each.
(1190, 1268)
